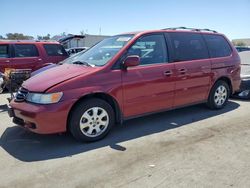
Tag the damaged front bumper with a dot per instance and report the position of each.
(244, 92)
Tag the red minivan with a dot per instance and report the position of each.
(127, 76)
(29, 54)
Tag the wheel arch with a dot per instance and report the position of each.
(228, 81)
(104, 96)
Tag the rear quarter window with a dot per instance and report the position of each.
(26, 50)
(188, 46)
(55, 50)
(217, 46)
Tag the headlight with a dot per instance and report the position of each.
(41, 98)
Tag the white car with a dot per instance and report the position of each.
(244, 92)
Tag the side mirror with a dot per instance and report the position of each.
(131, 61)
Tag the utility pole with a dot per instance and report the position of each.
(100, 31)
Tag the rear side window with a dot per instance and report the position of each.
(217, 46)
(188, 46)
(4, 51)
(25, 50)
(151, 49)
(55, 50)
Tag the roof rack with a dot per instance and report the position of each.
(191, 29)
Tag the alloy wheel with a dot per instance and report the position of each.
(220, 95)
(94, 121)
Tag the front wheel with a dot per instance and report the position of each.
(91, 120)
(219, 95)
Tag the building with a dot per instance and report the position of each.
(246, 42)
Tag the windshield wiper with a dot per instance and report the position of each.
(82, 63)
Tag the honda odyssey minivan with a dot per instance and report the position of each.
(127, 76)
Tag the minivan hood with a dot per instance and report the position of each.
(51, 77)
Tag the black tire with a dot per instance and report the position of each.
(85, 107)
(211, 103)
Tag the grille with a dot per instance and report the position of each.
(21, 95)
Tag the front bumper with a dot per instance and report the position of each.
(1, 83)
(42, 119)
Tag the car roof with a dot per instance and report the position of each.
(169, 30)
(27, 42)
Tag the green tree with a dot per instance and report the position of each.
(63, 34)
(47, 37)
(239, 43)
(82, 32)
(18, 36)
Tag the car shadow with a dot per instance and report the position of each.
(28, 147)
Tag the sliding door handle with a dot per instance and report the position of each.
(182, 71)
(168, 73)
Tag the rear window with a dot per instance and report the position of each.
(4, 52)
(25, 50)
(188, 46)
(55, 50)
(217, 46)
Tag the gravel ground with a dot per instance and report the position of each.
(190, 147)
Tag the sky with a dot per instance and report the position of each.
(110, 17)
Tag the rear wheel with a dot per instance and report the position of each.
(91, 120)
(219, 95)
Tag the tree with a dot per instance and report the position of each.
(239, 43)
(18, 36)
(47, 37)
(63, 34)
(82, 32)
(1, 37)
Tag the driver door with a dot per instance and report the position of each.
(4, 57)
(148, 87)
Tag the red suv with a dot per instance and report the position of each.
(126, 76)
(29, 54)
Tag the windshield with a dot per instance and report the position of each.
(101, 53)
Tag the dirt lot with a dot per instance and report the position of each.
(190, 147)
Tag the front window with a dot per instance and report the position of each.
(101, 53)
(151, 49)
(4, 53)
